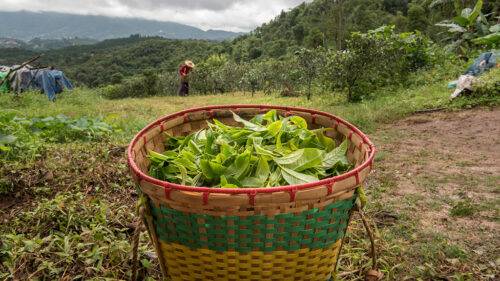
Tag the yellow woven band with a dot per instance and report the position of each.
(188, 264)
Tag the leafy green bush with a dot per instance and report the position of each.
(144, 85)
(22, 138)
(377, 58)
(488, 84)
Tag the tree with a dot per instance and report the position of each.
(417, 18)
(308, 61)
(277, 48)
(374, 59)
(251, 78)
(315, 38)
(254, 53)
(299, 33)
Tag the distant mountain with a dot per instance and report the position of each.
(12, 43)
(45, 44)
(48, 25)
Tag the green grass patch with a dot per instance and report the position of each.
(463, 208)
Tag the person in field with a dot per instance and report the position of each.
(184, 70)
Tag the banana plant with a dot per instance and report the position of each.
(492, 39)
(467, 28)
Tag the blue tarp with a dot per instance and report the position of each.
(51, 82)
(484, 62)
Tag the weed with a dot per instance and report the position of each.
(463, 208)
(65, 234)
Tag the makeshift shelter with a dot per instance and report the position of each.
(48, 81)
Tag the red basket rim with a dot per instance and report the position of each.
(288, 188)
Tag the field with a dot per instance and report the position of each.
(69, 212)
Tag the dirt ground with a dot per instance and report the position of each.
(439, 173)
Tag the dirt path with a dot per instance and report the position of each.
(439, 174)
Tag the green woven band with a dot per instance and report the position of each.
(314, 229)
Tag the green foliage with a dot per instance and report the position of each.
(309, 62)
(470, 27)
(463, 208)
(269, 150)
(70, 234)
(417, 18)
(145, 85)
(101, 63)
(377, 58)
(487, 84)
(22, 138)
(315, 38)
(15, 140)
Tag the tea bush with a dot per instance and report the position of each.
(378, 58)
(145, 85)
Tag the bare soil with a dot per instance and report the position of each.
(442, 171)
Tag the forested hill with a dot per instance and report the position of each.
(329, 23)
(48, 25)
(111, 60)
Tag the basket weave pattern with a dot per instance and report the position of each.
(279, 233)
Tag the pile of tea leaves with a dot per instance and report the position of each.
(268, 150)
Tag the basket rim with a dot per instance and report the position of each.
(249, 191)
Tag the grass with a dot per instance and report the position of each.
(131, 114)
(69, 213)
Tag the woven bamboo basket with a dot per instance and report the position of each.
(281, 233)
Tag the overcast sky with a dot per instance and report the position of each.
(233, 15)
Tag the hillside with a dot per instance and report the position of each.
(329, 23)
(113, 59)
(48, 25)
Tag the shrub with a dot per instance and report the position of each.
(377, 58)
(488, 84)
(145, 85)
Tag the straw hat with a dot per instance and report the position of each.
(189, 64)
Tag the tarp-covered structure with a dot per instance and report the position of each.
(47, 80)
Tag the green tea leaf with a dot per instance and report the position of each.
(281, 152)
(264, 152)
(249, 125)
(270, 116)
(206, 170)
(301, 159)
(292, 177)
(299, 122)
(325, 141)
(240, 165)
(336, 156)
(262, 172)
(225, 184)
(275, 127)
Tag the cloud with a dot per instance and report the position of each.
(234, 15)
